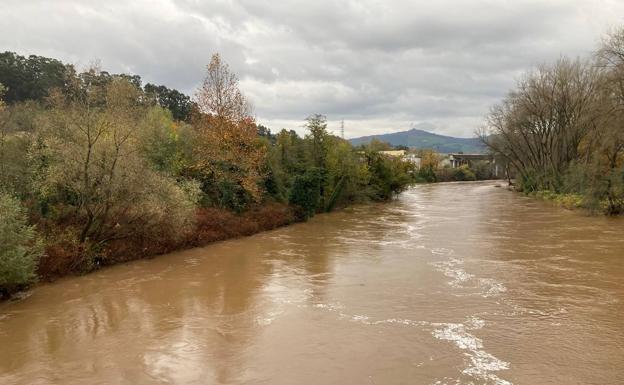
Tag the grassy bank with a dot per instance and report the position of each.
(568, 201)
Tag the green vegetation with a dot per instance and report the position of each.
(19, 250)
(569, 201)
(561, 129)
(431, 170)
(103, 169)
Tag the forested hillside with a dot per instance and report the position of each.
(421, 139)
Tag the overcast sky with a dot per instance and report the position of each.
(381, 65)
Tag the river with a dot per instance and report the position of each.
(458, 283)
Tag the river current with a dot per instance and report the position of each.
(453, 283)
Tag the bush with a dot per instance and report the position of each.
(389, 175)
(569, 200)
(482, 170)
(19, 249)
(458, 174)
(426, 174)
(305, 193)
(463, 173)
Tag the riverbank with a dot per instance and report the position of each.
(567, 201)
(64, 257)
(571, 201)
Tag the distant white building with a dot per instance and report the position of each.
(394, 153)
(413, 158)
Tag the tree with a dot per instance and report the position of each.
(317, 127)
(602, 150)
(305, 192)
(389, 175)
(179, 104)
(19, 248)
(538, 128)
(429, 163)
(347, 177)
(97, 174)
(482, 170)
(219, 94)
(318, 136)
(377, 145)
(30, 78)
(229, 158)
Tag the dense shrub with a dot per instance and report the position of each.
(305, 192)
(482, 170)
(19, 249)
(214, 224)
(463, 173)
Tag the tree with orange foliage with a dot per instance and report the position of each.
(228, 154)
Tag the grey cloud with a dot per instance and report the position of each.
(382, 65)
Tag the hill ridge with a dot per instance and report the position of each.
(420, 139)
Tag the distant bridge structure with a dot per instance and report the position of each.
(459, 159)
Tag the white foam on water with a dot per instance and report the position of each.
(451, 269)
(358, 317)
(441, 251)
(492, 287)
(328, 306)
(450, 381)
(457, 333)
(282, 297)
(290, 253)
(481, 364)
(474, 323)
(400, 321)
(268, 318)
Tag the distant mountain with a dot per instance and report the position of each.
(417, 138)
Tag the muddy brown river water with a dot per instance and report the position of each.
(460, 283)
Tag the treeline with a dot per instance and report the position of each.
(561, 129)
(96, 168)
(431, 169)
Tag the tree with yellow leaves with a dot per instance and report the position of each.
(228, 154)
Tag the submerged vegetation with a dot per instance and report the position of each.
(96, 168)
(561, 129)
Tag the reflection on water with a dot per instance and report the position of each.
(451, 284)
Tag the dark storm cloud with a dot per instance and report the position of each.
(380, 65)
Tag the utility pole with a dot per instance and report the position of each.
(342, 129)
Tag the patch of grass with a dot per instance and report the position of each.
(568, 201)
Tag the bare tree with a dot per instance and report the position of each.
(539, 126)
(219, 94)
